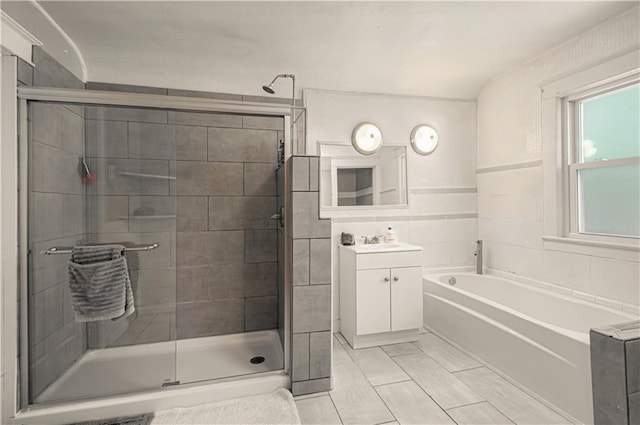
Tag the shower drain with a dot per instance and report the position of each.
(257, 360)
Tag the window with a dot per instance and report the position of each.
(604, 161)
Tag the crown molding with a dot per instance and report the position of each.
(16, 40)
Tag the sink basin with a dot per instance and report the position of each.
(378, 246)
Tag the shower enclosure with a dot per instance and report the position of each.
(189, 187)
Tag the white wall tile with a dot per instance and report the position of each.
(510, 206)
(521, 181)
(452, 165)
(567, 269)
(511, 216)
(443, 203)
(616, 279)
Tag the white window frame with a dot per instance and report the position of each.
(555, 109)
(572, 126)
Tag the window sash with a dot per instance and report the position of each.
(574, 194)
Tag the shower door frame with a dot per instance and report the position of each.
(123, 99)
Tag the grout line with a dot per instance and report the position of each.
(383, 402)
(308, 261)
(470, 368)
(390, 383)
(429, 395)
(335, 408)
(501, 412)
(308, 174)
(309, 355)
(469, 404)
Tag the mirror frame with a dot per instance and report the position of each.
(327, 210)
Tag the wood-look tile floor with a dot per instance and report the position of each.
(425, 382)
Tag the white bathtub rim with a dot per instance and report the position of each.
(541, 287)
(578, 336)
(627, 307)
(507, 378)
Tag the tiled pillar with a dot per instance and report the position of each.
(615, 374)
(310, 241)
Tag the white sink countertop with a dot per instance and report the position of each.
(382, 247)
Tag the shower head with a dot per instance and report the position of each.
(269, 89)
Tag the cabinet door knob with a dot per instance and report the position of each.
(396, 278)
(386, 278)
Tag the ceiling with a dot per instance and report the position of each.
(441, 49)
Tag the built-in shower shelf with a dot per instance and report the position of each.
(147, 176)
(147, 217)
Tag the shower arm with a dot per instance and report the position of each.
(293, 79)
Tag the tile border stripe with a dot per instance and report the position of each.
(507, 167)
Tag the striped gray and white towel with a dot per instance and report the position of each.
(99, 283)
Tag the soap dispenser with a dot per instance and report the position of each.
(390, 236)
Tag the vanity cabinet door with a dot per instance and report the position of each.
(406, 298)
(373, 307)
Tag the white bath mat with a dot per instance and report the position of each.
(274, 408)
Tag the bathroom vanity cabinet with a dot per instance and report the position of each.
(380, 293)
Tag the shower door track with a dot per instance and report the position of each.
(95, 97)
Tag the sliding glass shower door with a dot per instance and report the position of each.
(101, 175)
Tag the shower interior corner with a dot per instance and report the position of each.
(209, 300)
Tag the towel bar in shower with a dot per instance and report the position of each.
(56, 250)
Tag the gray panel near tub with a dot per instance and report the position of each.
(615, 371)
(310, 243)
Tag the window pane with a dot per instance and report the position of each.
(611, 125)
(610, 200)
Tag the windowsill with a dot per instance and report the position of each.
(618, 251)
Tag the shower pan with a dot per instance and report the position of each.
(187, 186)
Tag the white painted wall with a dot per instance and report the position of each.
(442, 187)
(511, 203)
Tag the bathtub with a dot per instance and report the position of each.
(535, 336)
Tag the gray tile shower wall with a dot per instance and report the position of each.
(309, 239)
(57, 206)
(216, 267)
(226, 251)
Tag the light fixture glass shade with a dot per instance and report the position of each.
(424, 139)
(366, 138)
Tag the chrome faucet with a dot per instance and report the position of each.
(478, 255)
(372, 240)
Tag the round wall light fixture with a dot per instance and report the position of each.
(366, 138)
(424, 139)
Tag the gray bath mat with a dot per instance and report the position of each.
(123, 420)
